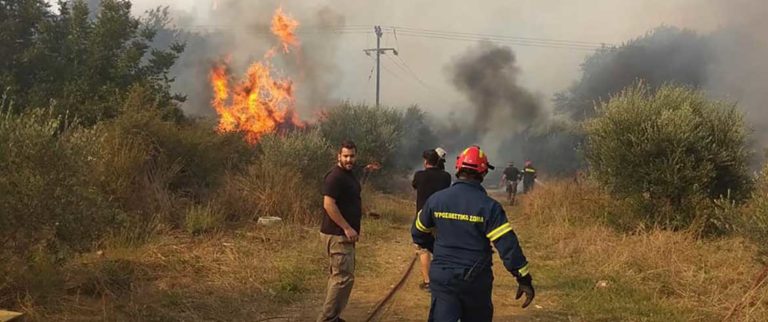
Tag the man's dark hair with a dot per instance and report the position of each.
(431, 157)
(347, 144)
(470, 174)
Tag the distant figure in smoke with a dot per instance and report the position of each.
(426, 182)
(529, 176)
(510, 179)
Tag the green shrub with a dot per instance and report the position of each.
(48, 206)
(271, 190)
(669, 150)
(417, 136)
(305, 151)
(393, 138)
(753, 221)
(284, 180)
(202, 219)
(377, 132)
(157, 168)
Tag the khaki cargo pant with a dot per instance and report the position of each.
(341, 253)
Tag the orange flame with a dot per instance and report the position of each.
(259, 103)
(284, 28)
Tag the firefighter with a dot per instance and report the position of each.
(468, 221)
(529, 176)
(510, 178)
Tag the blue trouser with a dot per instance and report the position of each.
(455, 298)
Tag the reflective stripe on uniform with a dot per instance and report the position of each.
(530, 170)
(499, 231)
(523, 270)
(421, 226)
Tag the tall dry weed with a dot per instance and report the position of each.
(705, 276)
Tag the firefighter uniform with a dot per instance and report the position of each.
(467, 221)
(529, 177)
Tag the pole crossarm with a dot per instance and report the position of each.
(381, 50)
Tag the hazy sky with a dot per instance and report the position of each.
(544, 70)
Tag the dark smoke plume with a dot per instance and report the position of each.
(488, 76)
(505, 118)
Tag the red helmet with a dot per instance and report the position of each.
(473, 158)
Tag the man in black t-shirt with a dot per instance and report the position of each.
(426, 182)
(511, 176)
(340, 230)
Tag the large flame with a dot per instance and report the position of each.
(259, 103)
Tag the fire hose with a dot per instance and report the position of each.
(379, 305)
(392, 291)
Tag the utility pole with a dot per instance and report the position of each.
(378, 51)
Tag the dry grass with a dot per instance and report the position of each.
(233, 274)
(248, 272)
(651, 274)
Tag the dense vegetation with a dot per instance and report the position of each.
(670, 150)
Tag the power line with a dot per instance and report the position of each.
(494, 36)
(502, 41)
(432, 34)
(410, 73)
(436, 93)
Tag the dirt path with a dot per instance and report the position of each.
(382, 262)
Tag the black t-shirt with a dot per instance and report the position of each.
(428, 182)
(342, 186)
(512, 173)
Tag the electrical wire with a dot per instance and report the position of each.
(430, 34)
(494, 36)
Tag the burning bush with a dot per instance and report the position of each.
(670, 150)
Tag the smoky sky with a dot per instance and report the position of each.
(334, 67)
(544, 70)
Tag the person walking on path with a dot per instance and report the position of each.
(426, 182)
(510, 179)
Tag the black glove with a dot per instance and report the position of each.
(525, 285)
